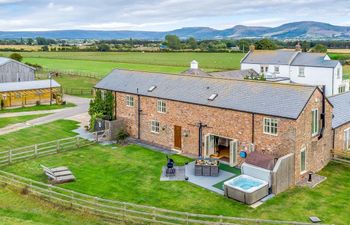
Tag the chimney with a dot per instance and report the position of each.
(298, 47)
(251, 48)
(194, 65)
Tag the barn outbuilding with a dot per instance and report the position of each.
(14, 71)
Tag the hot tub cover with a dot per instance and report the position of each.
(260, 159)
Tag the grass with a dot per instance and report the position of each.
(28, 210)
(19, 119)
(36, 108)
(346, 72)
(39, 134)
(131, 173)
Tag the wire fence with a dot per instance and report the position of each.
(43, 74)
(78, 91)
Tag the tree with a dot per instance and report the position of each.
(30, 41)
(103, 48)
(173, 42)
(265, 44)
(192, 43)
(16, 56)
(101, 107)
(319, 48)
(243, 45)
(45, 48)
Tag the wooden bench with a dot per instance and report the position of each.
(58, 175)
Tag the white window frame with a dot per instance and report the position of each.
(301, 74)
(346, 139)
(315, 122)
(161, 106)
(129, 101)
(155, 126)
(303, 150)
(277, 69)
(341, 88)
(268, 127)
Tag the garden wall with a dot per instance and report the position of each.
(283, 174)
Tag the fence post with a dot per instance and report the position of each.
(58, 146)
(72, 199)
(124, 212)
(187, 222)
(220, 219)
(10, 156)
(35, 150)
(78, 142)
(154, 218)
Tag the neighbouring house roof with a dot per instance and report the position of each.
(236, 74)
(341, 109)
(278, 57)
(314, 60)
(27, 85)
(4, 60)
(275, 99)
(288, 57)
(196, 72)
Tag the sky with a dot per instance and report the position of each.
(164, 15)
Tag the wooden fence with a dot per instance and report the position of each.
(105, 208)
(122, 211)
(78, 91)
(43, 74)
(42, 149)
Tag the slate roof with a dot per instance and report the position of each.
(288, 57)
(313, 59)
(27, 85)
(196, 72)
(341, 109)
(236, 74)
(4, 60)
(275, 99)
(279, 57)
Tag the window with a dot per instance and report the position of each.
(270, 126)
(161, 106)
(130, 101)
(212, 97)
(152, 88)
(155, 126)
(315, 122)
(347, 139)
(341, 89)
(301, 72)
(261, 69)
(338, 73)
(303, 160)
(277, 69)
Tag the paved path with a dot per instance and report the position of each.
(77, 113)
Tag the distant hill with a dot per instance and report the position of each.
(297, 30)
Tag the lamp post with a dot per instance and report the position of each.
(50, 77)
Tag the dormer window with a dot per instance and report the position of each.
(212, 97)
(152, 88)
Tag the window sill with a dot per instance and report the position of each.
(274, 135)
(303, 172)
(153, 132)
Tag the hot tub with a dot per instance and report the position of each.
(246, 189)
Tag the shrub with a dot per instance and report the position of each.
(121, 136)
(16, 56)
(37, 103)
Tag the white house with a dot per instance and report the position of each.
(297, 67)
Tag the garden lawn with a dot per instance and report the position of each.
(19, 119)
(346, 72)
(16, 209)
(38, 134)
(37, 108)
(132, 173)
(72, 85)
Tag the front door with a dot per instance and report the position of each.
(177, 137)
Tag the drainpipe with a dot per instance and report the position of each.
(115, 105)
(333, 82)
(200, 131)
(253, 128)
(138, 115)
(323, 115)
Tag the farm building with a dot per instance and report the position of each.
(15, 94)
(207, 116)
(14, 71)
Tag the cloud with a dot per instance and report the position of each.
(164, 14)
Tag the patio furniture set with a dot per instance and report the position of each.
(206, 167)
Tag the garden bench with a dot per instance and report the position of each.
(58, 175)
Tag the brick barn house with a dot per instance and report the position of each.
(220, 117)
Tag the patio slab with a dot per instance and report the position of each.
(179, 174)
(207, 182)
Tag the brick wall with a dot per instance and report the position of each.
(339, 137)
(292, 134)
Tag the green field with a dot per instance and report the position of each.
(121, 173)
(19, 119)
